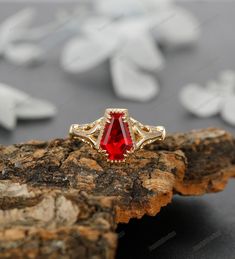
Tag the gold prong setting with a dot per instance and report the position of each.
(107, 120)
(136, 134)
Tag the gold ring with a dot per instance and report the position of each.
(116, 135)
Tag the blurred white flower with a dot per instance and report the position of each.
(113, 29)
(216, 98)
(24, 54)
(124, 33)
(12, 30)
(15, 104)
(19, 43)
(13, 27)
(130, 82)
(171, 25)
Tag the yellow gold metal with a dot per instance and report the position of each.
(141, 135)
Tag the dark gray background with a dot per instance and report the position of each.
(209, 219)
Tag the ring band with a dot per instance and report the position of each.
(116, 135)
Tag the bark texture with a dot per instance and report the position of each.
(61, 199)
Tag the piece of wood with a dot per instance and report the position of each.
(61, 199)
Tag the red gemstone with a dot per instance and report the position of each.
(116, 139)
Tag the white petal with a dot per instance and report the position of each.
(102, 28)
(82, 54)
(97, 24)
(225, 86)
(213, 86)
(228, 110)
(116, 30)
(15, 103)
(176, 27)
(200, 101)
(142, 51)
(129, 28)
(35, 109)
(24, 54)
(19, 20)
(116, 8)
(131, 83)
(12, 27)
(8, 92)
(227, 82)
(7, 113)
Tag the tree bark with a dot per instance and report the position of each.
(61, 199)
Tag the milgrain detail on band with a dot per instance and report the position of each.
(116, 135)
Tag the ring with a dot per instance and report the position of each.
(116, 135)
